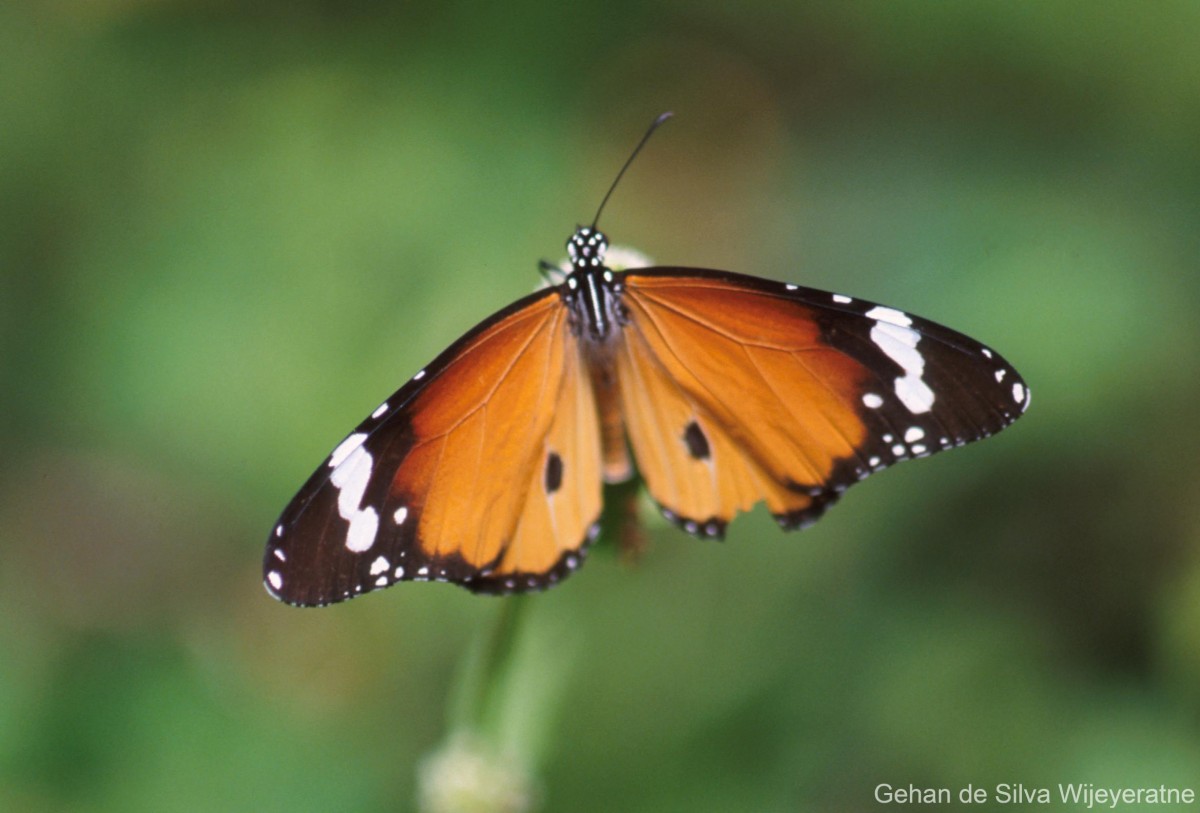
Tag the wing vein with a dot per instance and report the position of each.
(704, 323)
(539, 443)
(500, 379)
(639, 392)
(751, 451)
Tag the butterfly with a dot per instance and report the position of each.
(486, 469)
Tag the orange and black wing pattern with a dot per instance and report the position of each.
(736, 389)
(485, 470)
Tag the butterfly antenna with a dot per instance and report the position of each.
(649, 132)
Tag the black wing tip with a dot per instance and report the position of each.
(274, 578)
(298, 602)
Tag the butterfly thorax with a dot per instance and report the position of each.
(591, 290)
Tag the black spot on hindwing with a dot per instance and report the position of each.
(697, 443)
(554, 472)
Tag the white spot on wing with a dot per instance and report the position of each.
(913, 434)
(381, 581)
(790, 287)
(894, 336)
(380, 565)
(399, 571)
(400, 515)
(419, 376)
(1000, 375)
(275, 580)
(987, 352)
(344, 449)
(914, 394)
(890, 315)
(1018, 392)
(350, 478)
(382, 408)
(280, 555)
(844, 300)
(872, 400)
(279, 530)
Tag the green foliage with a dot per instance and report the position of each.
(228, 232)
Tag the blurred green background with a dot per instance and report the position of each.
(227, 233)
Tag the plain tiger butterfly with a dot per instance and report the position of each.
(486, 468)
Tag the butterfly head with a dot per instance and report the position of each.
(586, 248)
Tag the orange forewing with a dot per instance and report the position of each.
(511, 398)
